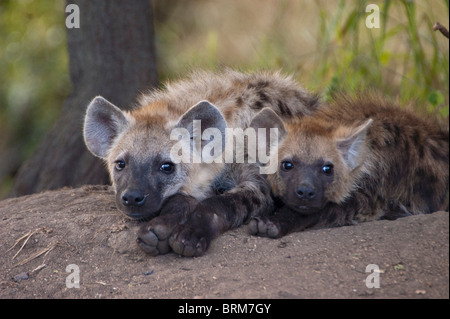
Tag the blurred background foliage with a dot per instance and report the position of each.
(324, 44)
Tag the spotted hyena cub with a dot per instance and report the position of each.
(357, 160)
(192, 200)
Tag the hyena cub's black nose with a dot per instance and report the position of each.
(133, 197)
(306, 192)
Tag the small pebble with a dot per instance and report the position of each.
(21, 276)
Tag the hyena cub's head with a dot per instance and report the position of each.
(136, 147)
(318, 162)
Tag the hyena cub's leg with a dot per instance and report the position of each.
(283, 222)
(215, 215)
(153, 237)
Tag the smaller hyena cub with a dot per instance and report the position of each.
(357, 160)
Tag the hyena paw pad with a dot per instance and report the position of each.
(188, 243)
(262, 226)
(154, 239)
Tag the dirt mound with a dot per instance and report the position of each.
(51, 239)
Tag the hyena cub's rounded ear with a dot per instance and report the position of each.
(352, 144)
(207, 113)
(103, 122)
(268, 119)
(204, 120)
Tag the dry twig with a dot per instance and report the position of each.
(45, 251)
(441, 28)
(27, 236)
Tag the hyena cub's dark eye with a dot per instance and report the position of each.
(286, 165)
(120, 165)
(327, 169)
(167, 168)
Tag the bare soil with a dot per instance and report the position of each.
(42, 234)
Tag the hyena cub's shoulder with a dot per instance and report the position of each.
(357, 160)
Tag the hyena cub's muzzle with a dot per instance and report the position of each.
(137, 203)
(304, 188)
(133, 198)
(308, 198)
(306, 192)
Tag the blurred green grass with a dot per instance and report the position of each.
(34, 78)
(324, 44)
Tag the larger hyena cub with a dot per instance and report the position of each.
(190, 202)
(358, 160)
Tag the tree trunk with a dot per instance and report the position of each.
(112, 54)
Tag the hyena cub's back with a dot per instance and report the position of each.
(238, 96)
(358, 160)
(405, 169)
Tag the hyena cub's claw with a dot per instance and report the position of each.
(262, 226)
(154, 239)
(186, 242)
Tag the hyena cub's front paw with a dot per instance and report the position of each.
(262, 226)
(188, 241)
(153, 237)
